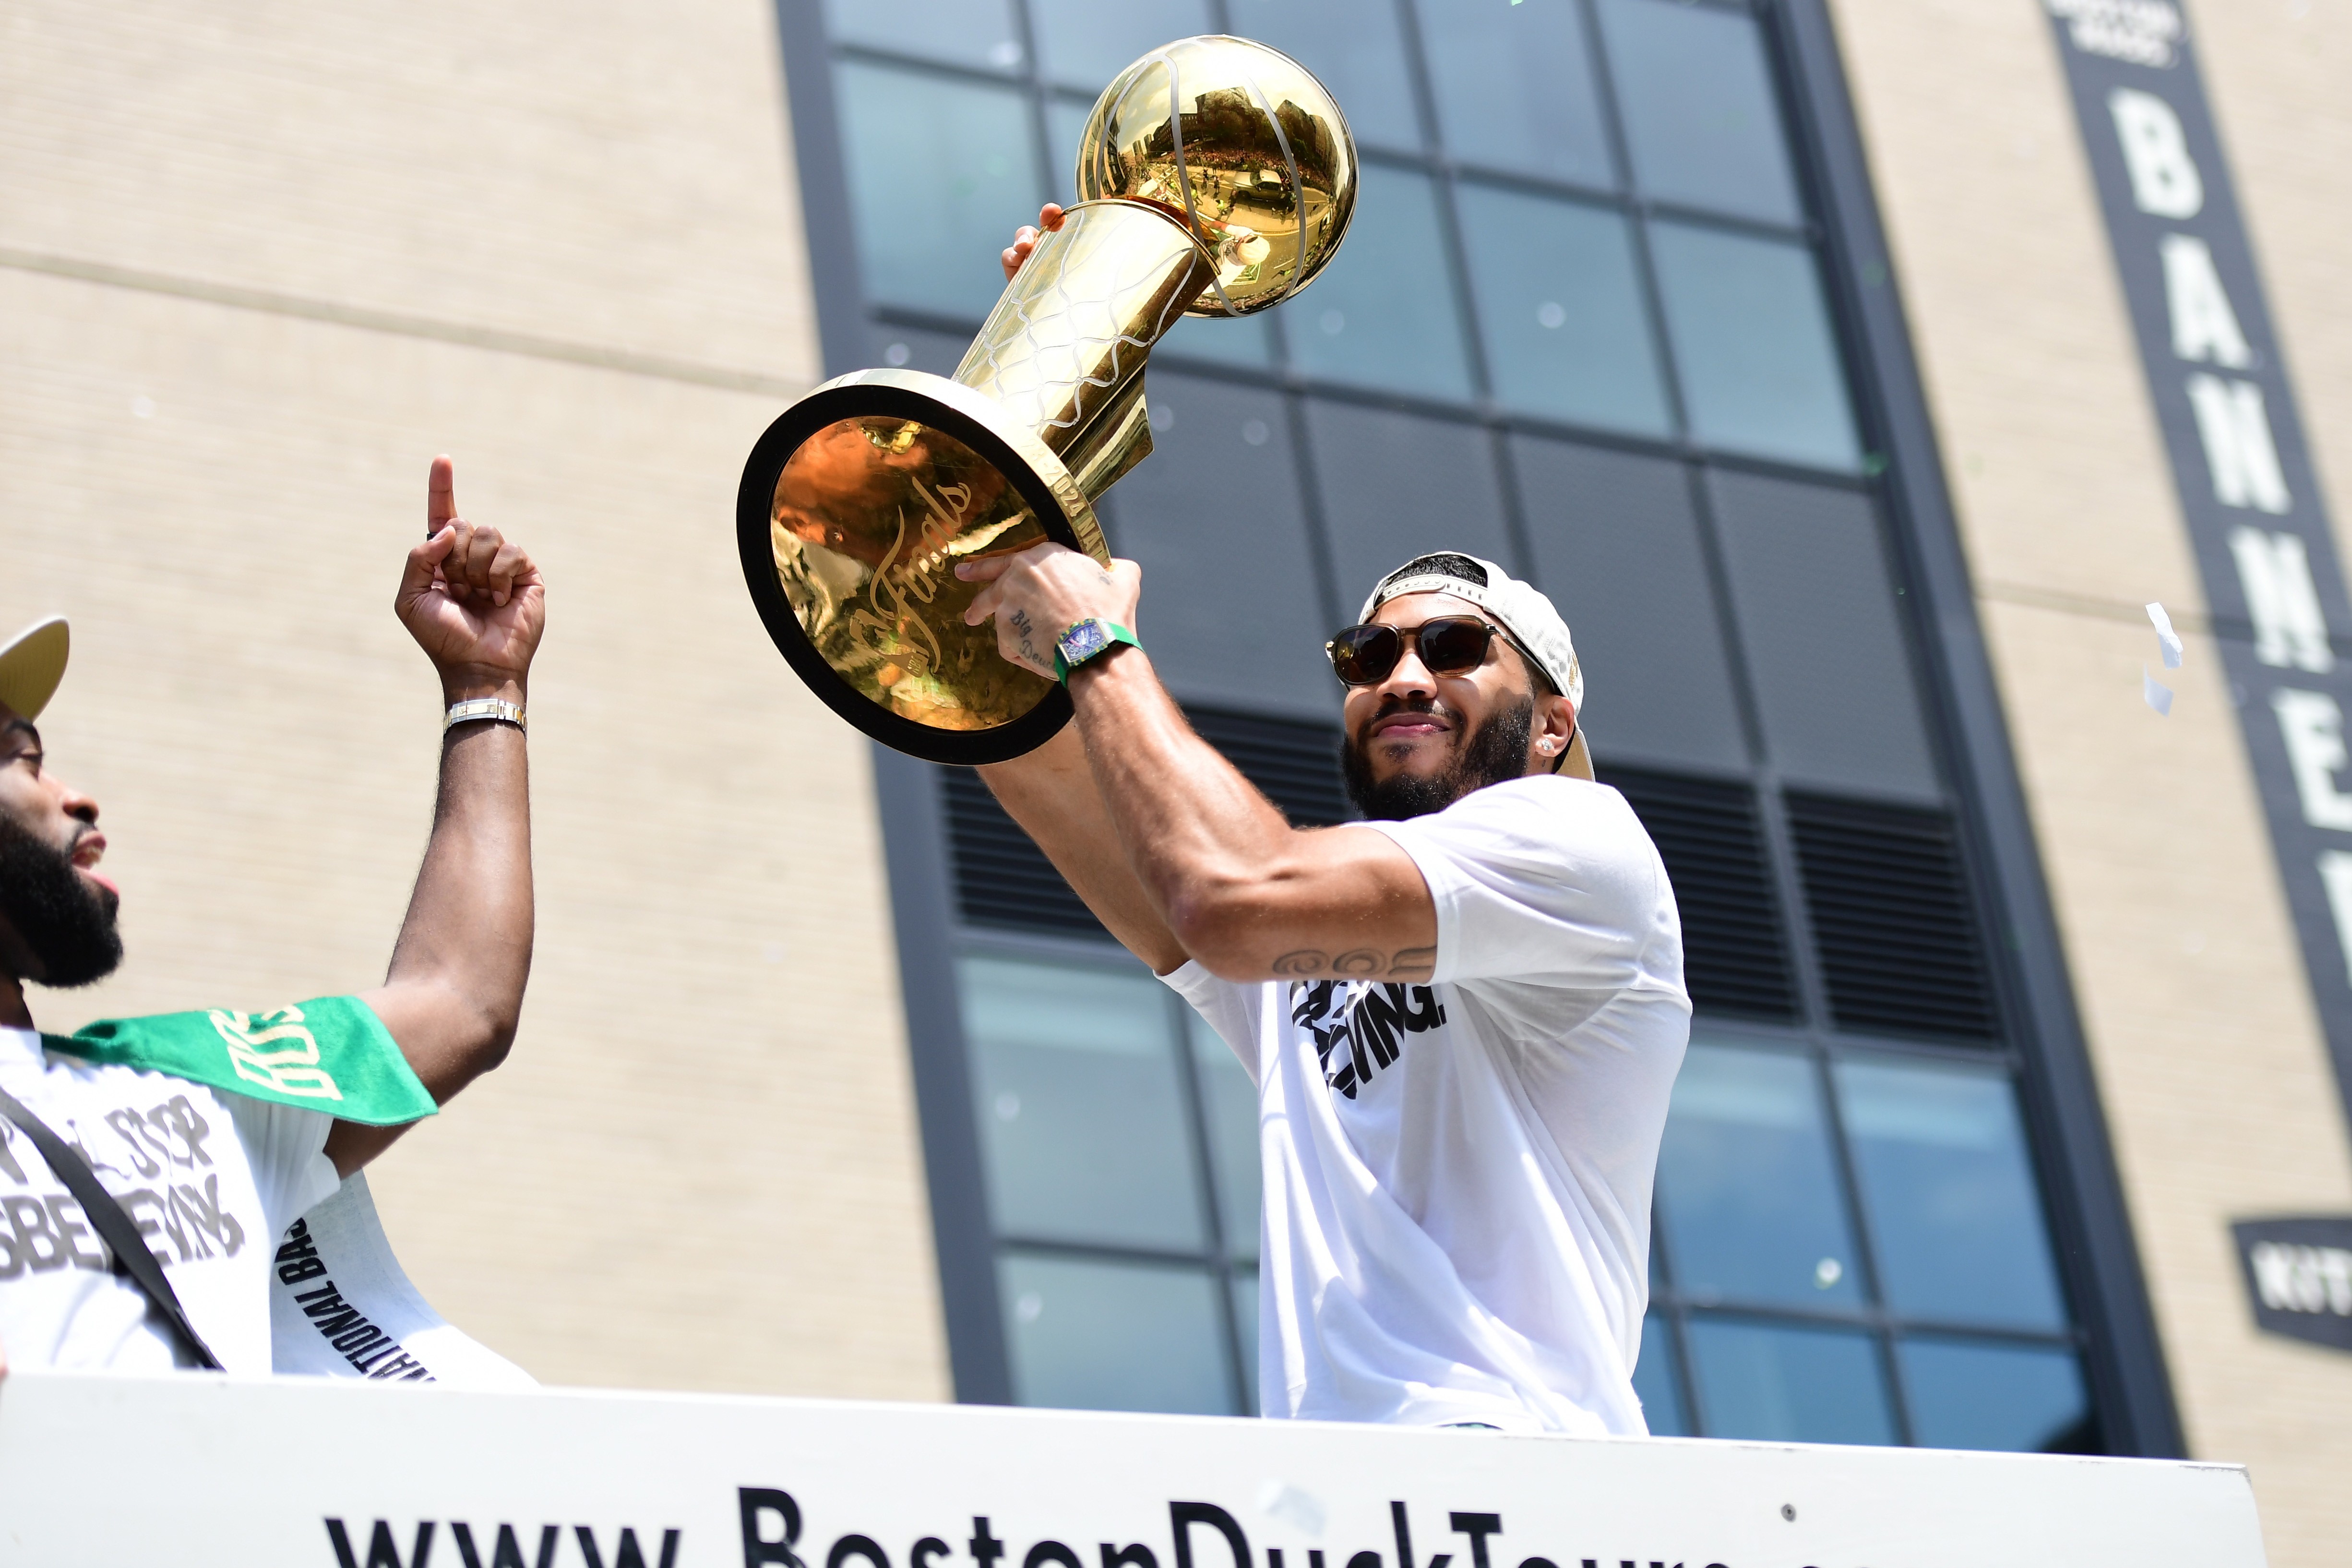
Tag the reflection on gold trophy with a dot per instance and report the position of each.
(1215, 178)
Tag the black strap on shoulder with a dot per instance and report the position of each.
(113, 1225)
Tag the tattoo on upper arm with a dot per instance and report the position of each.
(1362, 964)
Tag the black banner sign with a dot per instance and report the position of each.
(2265, 548)
(2299, 1276)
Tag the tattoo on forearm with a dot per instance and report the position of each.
(1362, 964)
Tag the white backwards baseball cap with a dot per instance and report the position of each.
(1519, 608)
(32, 664)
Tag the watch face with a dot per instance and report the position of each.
(1083, 641)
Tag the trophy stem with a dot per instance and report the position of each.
(1062, 352)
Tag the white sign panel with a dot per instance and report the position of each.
(200, 1470)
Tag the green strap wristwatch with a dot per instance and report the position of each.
(1089, 638)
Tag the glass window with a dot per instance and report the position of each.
(1657, 1381)
(941, 173)
(1996, 1396)
(1823, 632)
(1394, 487)
(1090, 1335)
(1951, 1194)
(1229, 1101)
(1559, 311)
(1064, 124)
(1751, 339)
(1085, 43)
(1700, 118)
(1515, 89)
(1748, 1189)
(1079, 1106)
(1215, 631)
(1355, 50)
(1220, 342)
(1789, 1384)
(1597, 521)
(977, 33)
(1383, 312)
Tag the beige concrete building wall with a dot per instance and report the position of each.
(2214, 1073)
(259, 263)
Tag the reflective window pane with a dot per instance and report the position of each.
(1081, 1114)
(1355, 50)
(1243, 342)
(1229, 1100)
(1747, 1188)
(941, 173)
(1085, 43)
(1382, 313)
(1064, 121)
(1220, 485)
(1822, 633)
(977, 33)
(1951, 1194)
(1597, 521)
(1701, 120)
(1751, 338)
(1515, 89)
(1658, 1381)
(938, 352)
(1115, 1336)
(1396, 486)
(1789, 1384)
(1559, 311)
(1996, 1396)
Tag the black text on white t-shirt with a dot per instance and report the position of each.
(1357, 1024)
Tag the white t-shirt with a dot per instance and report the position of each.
(211, 1179)
(1457, 1174)
(342, 1306)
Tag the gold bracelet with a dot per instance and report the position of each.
(496, 709)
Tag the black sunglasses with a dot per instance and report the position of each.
(1449, 645)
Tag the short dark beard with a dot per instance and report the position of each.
(1494, 751)
(67, 923)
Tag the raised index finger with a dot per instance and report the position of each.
(440, 496)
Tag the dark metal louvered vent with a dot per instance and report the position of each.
(1898, 939)
(1003, 879)
(1735, 958)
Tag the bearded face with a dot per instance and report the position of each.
(1494, 751)
(65, 919)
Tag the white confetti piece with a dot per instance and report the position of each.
(2158, 695)
(2165, 636)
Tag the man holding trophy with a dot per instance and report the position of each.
(1463, 1015)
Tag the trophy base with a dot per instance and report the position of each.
(855, 508)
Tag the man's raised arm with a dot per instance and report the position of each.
(452, 998)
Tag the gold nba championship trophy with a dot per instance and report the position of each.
(1215, 178)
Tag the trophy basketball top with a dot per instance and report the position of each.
(1240, 143)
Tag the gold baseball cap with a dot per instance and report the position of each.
(32, 664)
